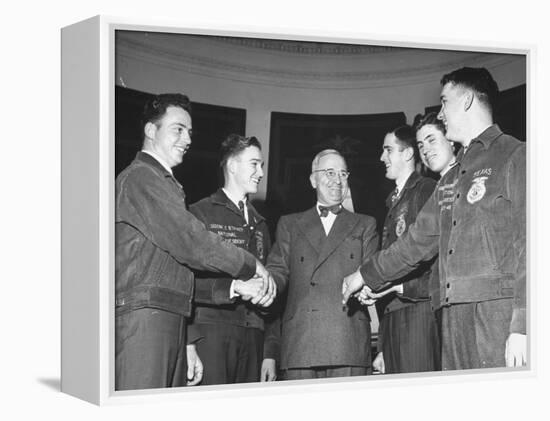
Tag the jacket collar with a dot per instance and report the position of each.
(149, 160)
(220, 198)
(410, 184)
(487, 137)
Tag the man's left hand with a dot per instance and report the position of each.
(194, 366)
(352, 283)
(516, 350)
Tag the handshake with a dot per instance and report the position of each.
(260, 290)
(354, 285)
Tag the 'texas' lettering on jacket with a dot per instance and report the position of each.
(476, 192)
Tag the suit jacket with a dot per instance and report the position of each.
(310, 266)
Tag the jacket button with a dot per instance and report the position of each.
(351, 256)
(448, 285)
(451, 251)
(463, 172)
(301, 258)
(447, 299)
(457, 195)
(312, 283)
(454, 222)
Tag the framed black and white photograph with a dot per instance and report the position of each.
(268, 212)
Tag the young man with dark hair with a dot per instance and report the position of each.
(157, 241)
(234, 347)
(407, 337)
(478, 230)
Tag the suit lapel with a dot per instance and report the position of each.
(343, 225)
(312, 228)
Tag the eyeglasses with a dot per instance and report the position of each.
(331, 173)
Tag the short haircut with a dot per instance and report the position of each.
(406, 138)
(324, 152)
(156, 107)
(477, 79)
(427, 120)
(234, 144)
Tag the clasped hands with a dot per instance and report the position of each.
(354, 285)
(516, 344)
(260, 290)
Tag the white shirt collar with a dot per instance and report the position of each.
(400, 186)
(236, 202)
(328, 220)
(160, 160)
(234, 199)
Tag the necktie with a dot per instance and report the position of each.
(395, 195)
(241, 208)
(335, 209)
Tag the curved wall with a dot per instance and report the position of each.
(264, 76)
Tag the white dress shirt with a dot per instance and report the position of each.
(328, 220)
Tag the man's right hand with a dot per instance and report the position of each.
(262, 290)
(365, 296)
(248, 289)
(352, 283)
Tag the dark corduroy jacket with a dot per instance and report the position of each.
(401, 214)
(213, 304)
(158, 241)
(478, 227)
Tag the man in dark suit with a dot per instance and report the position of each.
(313, 251)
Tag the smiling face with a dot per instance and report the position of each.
(435, 150)
(246, 169)
(395, 157)
(330, 191)
(170, 137)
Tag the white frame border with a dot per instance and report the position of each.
(97, 386)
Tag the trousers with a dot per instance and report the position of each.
(474, 334)
(230, 353)
(150, 350)
(410, 339)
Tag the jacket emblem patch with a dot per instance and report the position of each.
(401, 225)
(477, 190)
